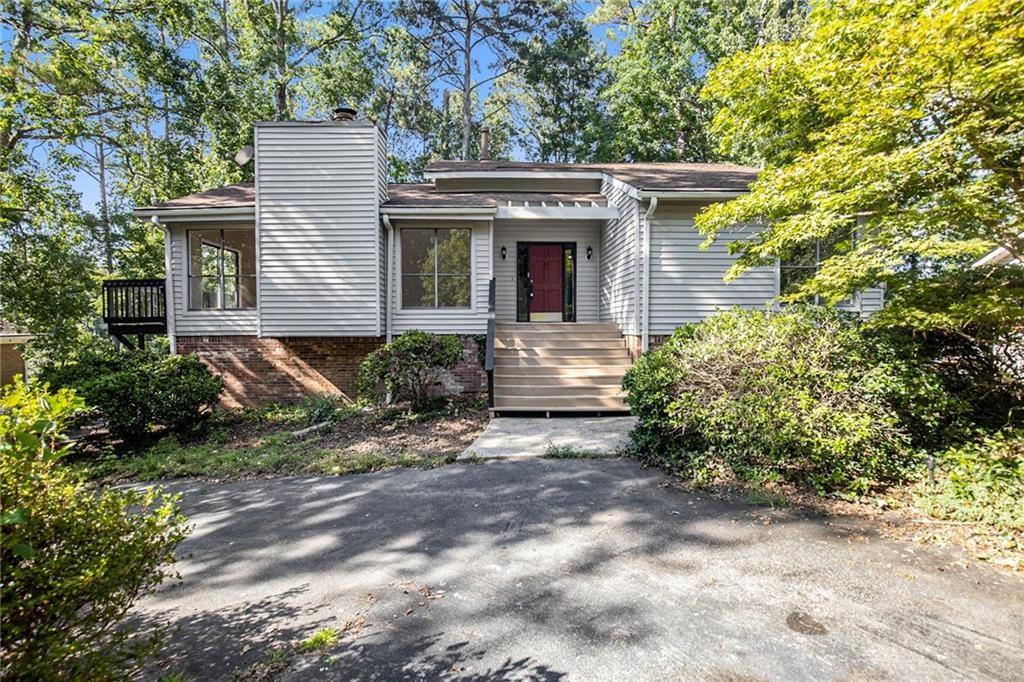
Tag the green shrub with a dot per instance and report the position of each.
(74, 559)
(800, 395)
(134, 390)
(407, 368)
(980, 481)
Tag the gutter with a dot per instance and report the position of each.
(389, 267)
(168, 287)
(433, 212)
(691, 194)
(645, 335)
(194, 214)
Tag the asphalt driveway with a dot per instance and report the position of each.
(558, 569)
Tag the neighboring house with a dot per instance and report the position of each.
(568, 270)
(12, 344)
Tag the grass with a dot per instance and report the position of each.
(324, 638)
(553, 451)
(261, 443)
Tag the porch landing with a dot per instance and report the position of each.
(557, 367)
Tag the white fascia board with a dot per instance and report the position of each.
(691, 194)
(624, 187)
(995, 257)
(435, 212)
(189, 215)
(516, 174)
(9, 339)
(557, 212)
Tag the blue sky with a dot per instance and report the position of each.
(89, 191)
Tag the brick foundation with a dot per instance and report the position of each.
(11, 362)
(258, 371)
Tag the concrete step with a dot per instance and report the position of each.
(557, 362)
(561, 352)
(560, 393)
(594, 403)
(569, 372)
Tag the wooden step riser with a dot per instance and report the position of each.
(520, 344)
(503, 328)
(557, 392)
(560, 380)
(567, 373)
(561, 353)
(595, 403)
(555, 363)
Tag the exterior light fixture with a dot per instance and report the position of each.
(590, 252)
(504, 253)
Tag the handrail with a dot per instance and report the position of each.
(489, 348)
(134, 301)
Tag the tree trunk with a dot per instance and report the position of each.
(282, 62)
(108, 241)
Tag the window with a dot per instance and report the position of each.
(221, 269)
(803, 263)
(435, 268)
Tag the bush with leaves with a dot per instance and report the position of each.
(800, 395)
(74, 558)
(407, 368)
(137, 389)
(981, 481)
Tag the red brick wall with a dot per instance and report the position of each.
(263, 370)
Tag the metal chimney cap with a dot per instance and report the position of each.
(343, 113)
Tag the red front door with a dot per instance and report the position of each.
(546, 275)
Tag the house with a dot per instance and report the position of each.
(554, 275)
(12, 344)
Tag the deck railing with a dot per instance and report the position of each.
(134, 301)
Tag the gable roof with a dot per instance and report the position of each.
(664, 176)
(240, 195)
(9, 332)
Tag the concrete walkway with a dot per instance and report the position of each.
(524, 437)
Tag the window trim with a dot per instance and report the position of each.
(221, 277)
(814, 269)
(436, 274)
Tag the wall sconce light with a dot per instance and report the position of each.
(590, 252)
(504, 253)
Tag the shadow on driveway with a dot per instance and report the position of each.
(565, 569)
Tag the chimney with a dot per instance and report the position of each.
(485, 143)
(343, 114)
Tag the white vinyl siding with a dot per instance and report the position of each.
(620, 274)
(231, 322)
(319, 188)
(585, 233)
(687, 283)
(446, 320)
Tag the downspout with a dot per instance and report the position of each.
(389, 268)
(645, 333)
(168, 287)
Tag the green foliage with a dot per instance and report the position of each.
(981, 481)
(407, 368)
(135, 390)
(74, 558)
(667, 48)
(324, 638)
(904, 114)
(799, 395)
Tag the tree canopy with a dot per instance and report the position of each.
(895, 132)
